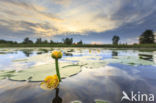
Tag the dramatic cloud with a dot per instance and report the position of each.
(79, 18)
(96, 19)
(62, 2)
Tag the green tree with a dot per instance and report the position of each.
(51, 42)
(8, 42)
(115, 40)
(147, 37)
(27, 41)
(38, 41)
(45, 42)
(80, 42)
(68, 41)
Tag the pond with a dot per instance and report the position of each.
(90, 75)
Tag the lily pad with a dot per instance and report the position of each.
(36, 58)
(89, 61)
(6, 74)
(131, 60)
(96, 101)
(101, 101)
(38, 73)
(76, 101)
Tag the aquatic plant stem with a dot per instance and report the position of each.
(57, 70)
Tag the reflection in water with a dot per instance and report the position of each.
(114, 53)
(154, 57)
(57, 99)
(68, 54)
(44, 50)
(146, 57)
(71, 50)
(27, 52)
(105, 83)
(39, 52)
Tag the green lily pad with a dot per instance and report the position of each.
(95, 65)
(131, 60)
(38, 73)
(101, 101)
(89, 61)
(96, 101)
(76, 101)
(36, 58)
(6, 74)
(20, 60)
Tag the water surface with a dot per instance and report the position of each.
(126, 70)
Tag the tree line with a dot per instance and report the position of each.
(147, 37)
(27, 40)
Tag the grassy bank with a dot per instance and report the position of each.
(84, 45)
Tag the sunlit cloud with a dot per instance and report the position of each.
(20, 16)
(17, 15)
(64, 17)
(62, 2)
(96, 43)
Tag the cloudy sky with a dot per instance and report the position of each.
(93, 21)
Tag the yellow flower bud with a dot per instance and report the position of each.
(50, 82)
(56, 54)
(98, 51)
(90, 51)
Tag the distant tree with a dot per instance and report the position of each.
(15, 42)
(8, 42)
(27, 41)
(115, 40)
(51, 42)
(3, 41)
(147, 37)
(80, 42)
(45, 42)
(68, 41)
(38, 41)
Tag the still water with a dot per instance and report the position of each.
(125, 70)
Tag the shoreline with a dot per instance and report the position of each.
(110, 48)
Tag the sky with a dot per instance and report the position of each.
(92, 21)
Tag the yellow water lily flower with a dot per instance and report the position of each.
(56, 54)
(50, 82)
(98, 51)
(90, 51)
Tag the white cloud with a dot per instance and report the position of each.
(55, 17)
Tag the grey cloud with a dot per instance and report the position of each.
(26, 28)
(25, 5)
(133, 10)
(132, 17)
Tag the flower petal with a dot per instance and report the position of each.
(50, 82)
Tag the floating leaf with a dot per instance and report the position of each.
(101, 101)
(6, 74)
(76, 101)
(37, 73)
(132, 60)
